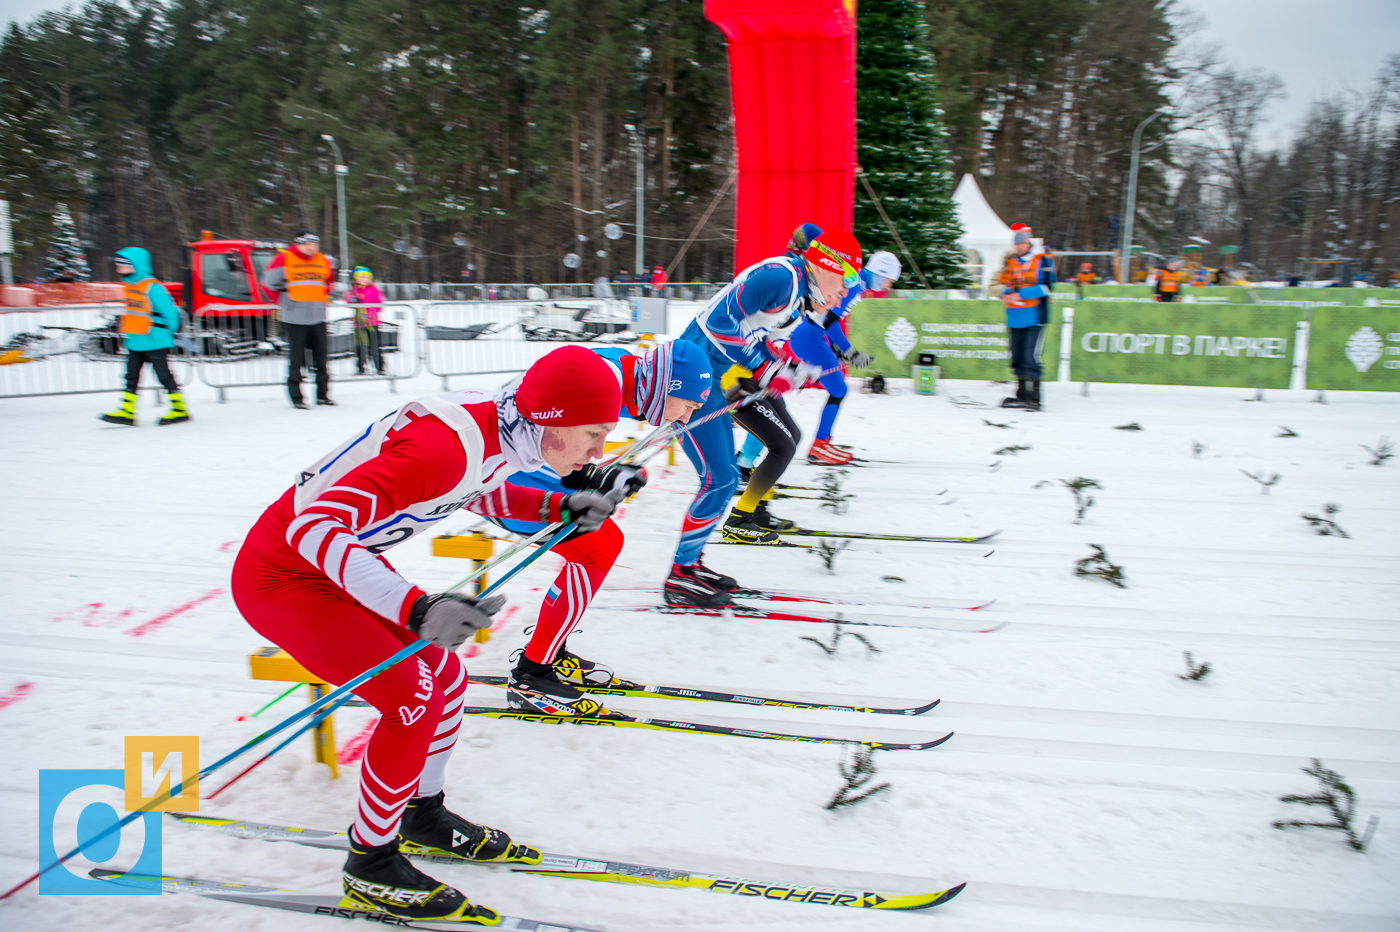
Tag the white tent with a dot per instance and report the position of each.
(986, 238)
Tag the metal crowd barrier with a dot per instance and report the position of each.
(240, 352)
(554, 291)
(69, 351)
(480, 337)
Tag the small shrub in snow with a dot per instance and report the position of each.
(1287, 432)
(836, 637)
(1194, 671)
(1382, 452)
(1002, 426)
(1098, 564)
(1082, 502)
(833, 499)
(1325, 526)
(1197, 448)
(857, 773)
(1133, 426)
(827, 552)
(1264, 483)
(1010, 450)
(1339, 799)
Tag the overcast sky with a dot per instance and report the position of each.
(1316, 48)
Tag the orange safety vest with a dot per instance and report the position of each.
(306, 278)
(1170, 281)
(1085, 278)
(139, 316)
(1017, 275)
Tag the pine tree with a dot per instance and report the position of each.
(902, 144)
(66, 262)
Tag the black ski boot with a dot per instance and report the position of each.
(430, 829)
(741, 528)
(1033, 397)
(717, 580)
(534, 687)
(380, 878)
(574, 670)
(1022, 393)
(686, 587)
(765, 518)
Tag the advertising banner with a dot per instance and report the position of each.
(968, 337)
(1355, 349)
(1242, 294)
(1184, 344)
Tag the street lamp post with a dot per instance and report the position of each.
(341, 170)
(1125, 243)
(639, 253)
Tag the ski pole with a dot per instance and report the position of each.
(294, 735)
(563, 532)
(290, 690)
(342, 694)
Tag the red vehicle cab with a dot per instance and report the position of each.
(222, 289)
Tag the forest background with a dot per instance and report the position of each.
(495, 135)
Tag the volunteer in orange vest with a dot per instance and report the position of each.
(148, 328)
(1027, 279)
(1085, 277)
(302, 277)
(1169, 282)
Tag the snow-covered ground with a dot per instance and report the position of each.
(1087, 786)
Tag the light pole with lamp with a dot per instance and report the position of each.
(638, 268)
(1125, 243)
(341, 170)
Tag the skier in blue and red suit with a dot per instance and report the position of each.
(739, 329)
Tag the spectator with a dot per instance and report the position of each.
(1027, 279)
(658, 282)
(1085, 277)
(624, 279)
(1169, 282)
(302, 276)
(365, 293)
(148, 332)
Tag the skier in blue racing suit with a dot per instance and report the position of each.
(738, 330)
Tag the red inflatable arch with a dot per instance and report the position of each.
(792, 73)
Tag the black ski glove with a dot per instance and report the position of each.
(588, 509)
(857, 359)
(742, 389)
(448, 619)
(617, 481)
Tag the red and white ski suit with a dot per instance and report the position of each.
(310, 579)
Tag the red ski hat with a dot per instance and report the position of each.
(570, 386)
(1020, 233)
(836, 251)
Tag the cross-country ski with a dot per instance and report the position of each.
(603, 869)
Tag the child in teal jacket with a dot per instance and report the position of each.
(148, 328)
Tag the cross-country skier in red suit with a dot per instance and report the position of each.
(310, 578)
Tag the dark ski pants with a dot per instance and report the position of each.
(302, 337)
(135, 359)
(367, 349)
(770, 422)
(1026, 344)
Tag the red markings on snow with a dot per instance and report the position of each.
(16, 694)
(160, 620)
(89, 615)
(501, 620)
(228, 546)
(354, 749)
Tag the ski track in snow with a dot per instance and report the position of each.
(1087, 787)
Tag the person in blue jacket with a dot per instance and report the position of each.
(1028, 279)
(740, 330)
(822, 342)
(148, 327)
(666, 385)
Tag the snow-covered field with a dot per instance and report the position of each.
(1087, 787)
